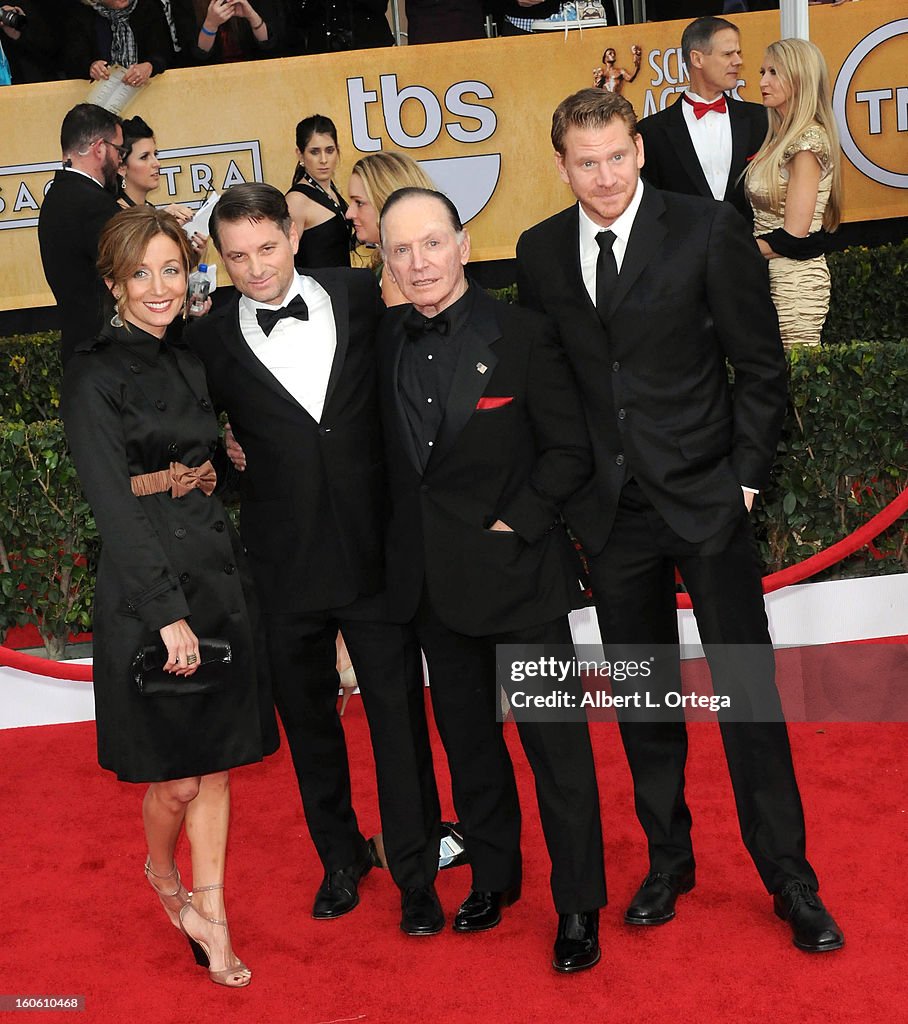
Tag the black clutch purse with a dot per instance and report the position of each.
(212, 675)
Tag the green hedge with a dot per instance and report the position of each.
(31, 377)
(49, 539)
(843, 456)
(869, 297)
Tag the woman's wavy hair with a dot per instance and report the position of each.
(125, 239)
(801, 69)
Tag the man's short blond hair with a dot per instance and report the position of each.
(590, 108)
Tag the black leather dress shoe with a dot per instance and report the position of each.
(481, 911)
(577, 942)
(655, 899)
(420, 911)
(812, 926)
(339, 893)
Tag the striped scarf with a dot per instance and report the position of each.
(123, 44)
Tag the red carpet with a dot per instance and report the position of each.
(79, 919)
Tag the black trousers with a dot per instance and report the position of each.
(633, 581)
(462, 682)
(388, 669)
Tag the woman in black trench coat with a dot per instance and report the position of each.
(135, 403)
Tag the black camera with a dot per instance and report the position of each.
(12, 19)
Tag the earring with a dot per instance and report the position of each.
(116, 320)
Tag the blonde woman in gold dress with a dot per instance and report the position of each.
(794, 186)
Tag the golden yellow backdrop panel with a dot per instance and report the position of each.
(476, 114)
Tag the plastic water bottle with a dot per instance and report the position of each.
(199, 287)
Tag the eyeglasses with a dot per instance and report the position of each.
(122, 151)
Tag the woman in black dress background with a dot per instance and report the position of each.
(135, 403)
(317, 208)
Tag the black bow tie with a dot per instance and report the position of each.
(267, 318)
(418, 326)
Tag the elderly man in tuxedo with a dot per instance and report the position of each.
(81, 200)
(484, 440)
(653, 293)
(291, 359)
(700, 145)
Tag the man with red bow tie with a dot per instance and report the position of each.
(702, 142)
(484, 441)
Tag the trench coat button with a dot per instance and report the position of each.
(135, 367)
(179, 532)
(219, 526)
(160, 404)
(230, 568)
(619, 460)
(184, 577)
(173, 448)
(204, 403)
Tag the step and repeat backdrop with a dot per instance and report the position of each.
(475, 114)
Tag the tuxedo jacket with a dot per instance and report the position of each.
(312, 493)
(72, 215)
(512, 446)
(693, 292)
(671, 161)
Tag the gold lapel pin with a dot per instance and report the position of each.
(481, 367)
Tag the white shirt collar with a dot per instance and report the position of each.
(85, 174)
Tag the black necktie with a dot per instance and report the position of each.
(418, 326)
(267, 318)
(606, 272)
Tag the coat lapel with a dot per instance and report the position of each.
(340, 304)
(740, 135)
(643, 245)
(474, 370)
(679, 136)
(389, 379)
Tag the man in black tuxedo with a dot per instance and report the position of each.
(81, 200)
(653, 292)
(484, 441)
(292, 361)
(701, 144)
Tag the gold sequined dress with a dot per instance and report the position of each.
(800, 288)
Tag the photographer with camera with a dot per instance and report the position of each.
(27, 45)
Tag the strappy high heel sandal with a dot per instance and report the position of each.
(348, 686)
(179, 893)
(231, 977)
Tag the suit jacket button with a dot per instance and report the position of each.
(218, 526)
(160, 404)
(621, 414)
(184, 578)
(179, 532)
(135, 367)
(173, 448)
(204, 403)
(616, 366)
(230, 568)
(619, 460)
(424, 488)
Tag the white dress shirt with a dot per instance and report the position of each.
(711, 136)
(299, 353)
(589, 247)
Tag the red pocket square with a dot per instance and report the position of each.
(493, 403)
